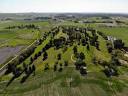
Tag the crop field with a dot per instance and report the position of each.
(61, 59)
(121, 33)
(15, 37)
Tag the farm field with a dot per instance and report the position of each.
(53, 58)
(120, 33)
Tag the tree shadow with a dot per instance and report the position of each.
(26, 76)
(13, 78)
(10, 81)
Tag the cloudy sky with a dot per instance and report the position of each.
(111, 6)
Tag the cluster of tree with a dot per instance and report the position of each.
(55, 31)
(81, 36)
(118, 44)
(12, 68)
(42, 18)
(81, 66)
(103, 21)
(59, 43)
(102, 34)
(110, 71)
(20, 58)
(94, 39)
(59, 66)
(26, 54)
(111, 67)
(109, 47)
(73, 32)
(32, 59)
(39, 42)
(28, 69)
(78, 55)
(17, 71)
(44, 49)
(30, 26)
(120, 22)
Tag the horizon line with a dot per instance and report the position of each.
(66, 12)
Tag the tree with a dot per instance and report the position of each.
(79, 63)
(118, 44)
(65, 63)
(10, 68)
(33, 68)
(30, 70)
(65, 49)
(83, 42)
(60, 69)
(24, 65)
(46, 66)
(109, 71)
(35, 57)
(82, 56)
(59, 56)
(109, 47)
(31, 60)
(97, 45)
(55, 67)
(45, 56)
(83, 70)
(39, 53)
(75, 49)
(88, 48)
(94, 60)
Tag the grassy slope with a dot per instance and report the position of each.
(95, 84)
(55, 83)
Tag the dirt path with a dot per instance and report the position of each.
(72, 58)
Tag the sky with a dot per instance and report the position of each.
(86, 6)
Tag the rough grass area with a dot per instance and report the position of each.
(57, 84)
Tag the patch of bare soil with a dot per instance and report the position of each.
(7, 52)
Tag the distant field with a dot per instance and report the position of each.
(14, 37)
(120, 33)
